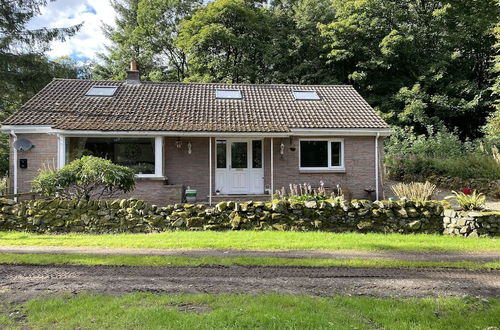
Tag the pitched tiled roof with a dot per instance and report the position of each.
(193, 107)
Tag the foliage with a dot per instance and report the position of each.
(145, 32)
(419, 63)
(226, 41)
(85, 178)
(305, 192)
(24, 67)
(441, 153)
(4, 185)
(469, 202)
(415, 190)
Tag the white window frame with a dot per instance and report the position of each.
(61, 161)
(329, 150)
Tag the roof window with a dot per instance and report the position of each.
(228, 94)
(306, 95)
(102, 91)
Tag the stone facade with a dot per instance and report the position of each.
(471, 224)
(184, 169)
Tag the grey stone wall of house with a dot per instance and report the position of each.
(471, 224)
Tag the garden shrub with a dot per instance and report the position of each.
(417, 157)
(469, 202)
(85, 178)
(415, 190)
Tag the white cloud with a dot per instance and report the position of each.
(90, 40)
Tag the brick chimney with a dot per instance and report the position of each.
(133, 74)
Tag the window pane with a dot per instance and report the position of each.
(228, 93)
(306, 95)
(102, 91)
(239, 156)
(336, 153)
(313, 154)
(257, 154)
(136, 153)
(221, 154)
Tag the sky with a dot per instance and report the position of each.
(85, 45)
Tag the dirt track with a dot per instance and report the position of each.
(22, 282)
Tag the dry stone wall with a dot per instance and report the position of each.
(471, 224)
(137, 216)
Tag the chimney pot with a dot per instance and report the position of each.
(133, 66)
(133, 76)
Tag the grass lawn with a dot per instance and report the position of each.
(257, 240)
(181, 261)
(273, 311)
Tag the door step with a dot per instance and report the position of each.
(240, 198)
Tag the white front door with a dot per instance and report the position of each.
(239, 166)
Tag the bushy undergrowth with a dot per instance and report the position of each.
(411, 156)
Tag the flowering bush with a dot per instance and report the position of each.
(305, 192)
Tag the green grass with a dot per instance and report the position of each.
(257, 240)
(181, 261)
(271, 311)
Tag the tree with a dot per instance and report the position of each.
(296, 51)
(24, 69)
(226, 41)
(85, 178)
(125, 47)
(145, 32)
(419, 62)
(492, 128)
(158, 27)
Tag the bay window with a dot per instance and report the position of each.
(322, 154)
(142, 154)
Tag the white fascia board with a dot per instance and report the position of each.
(340, 131)
(293, 132)
(20, 129)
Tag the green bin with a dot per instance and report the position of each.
(191, 195)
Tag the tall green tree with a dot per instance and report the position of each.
(492, 128)
(24, 69)
(419, 62)
(158, 27)
(144, 32)
(227, 41)
(125, 44)
(297, 53)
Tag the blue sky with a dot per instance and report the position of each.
(90, 40)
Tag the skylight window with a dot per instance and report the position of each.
(228, 94)
(306, 95)
(102, 91)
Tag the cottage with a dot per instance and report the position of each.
(219, 139)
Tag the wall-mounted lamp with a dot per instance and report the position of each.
(189, 148)
(282, 149)
(178, 143)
